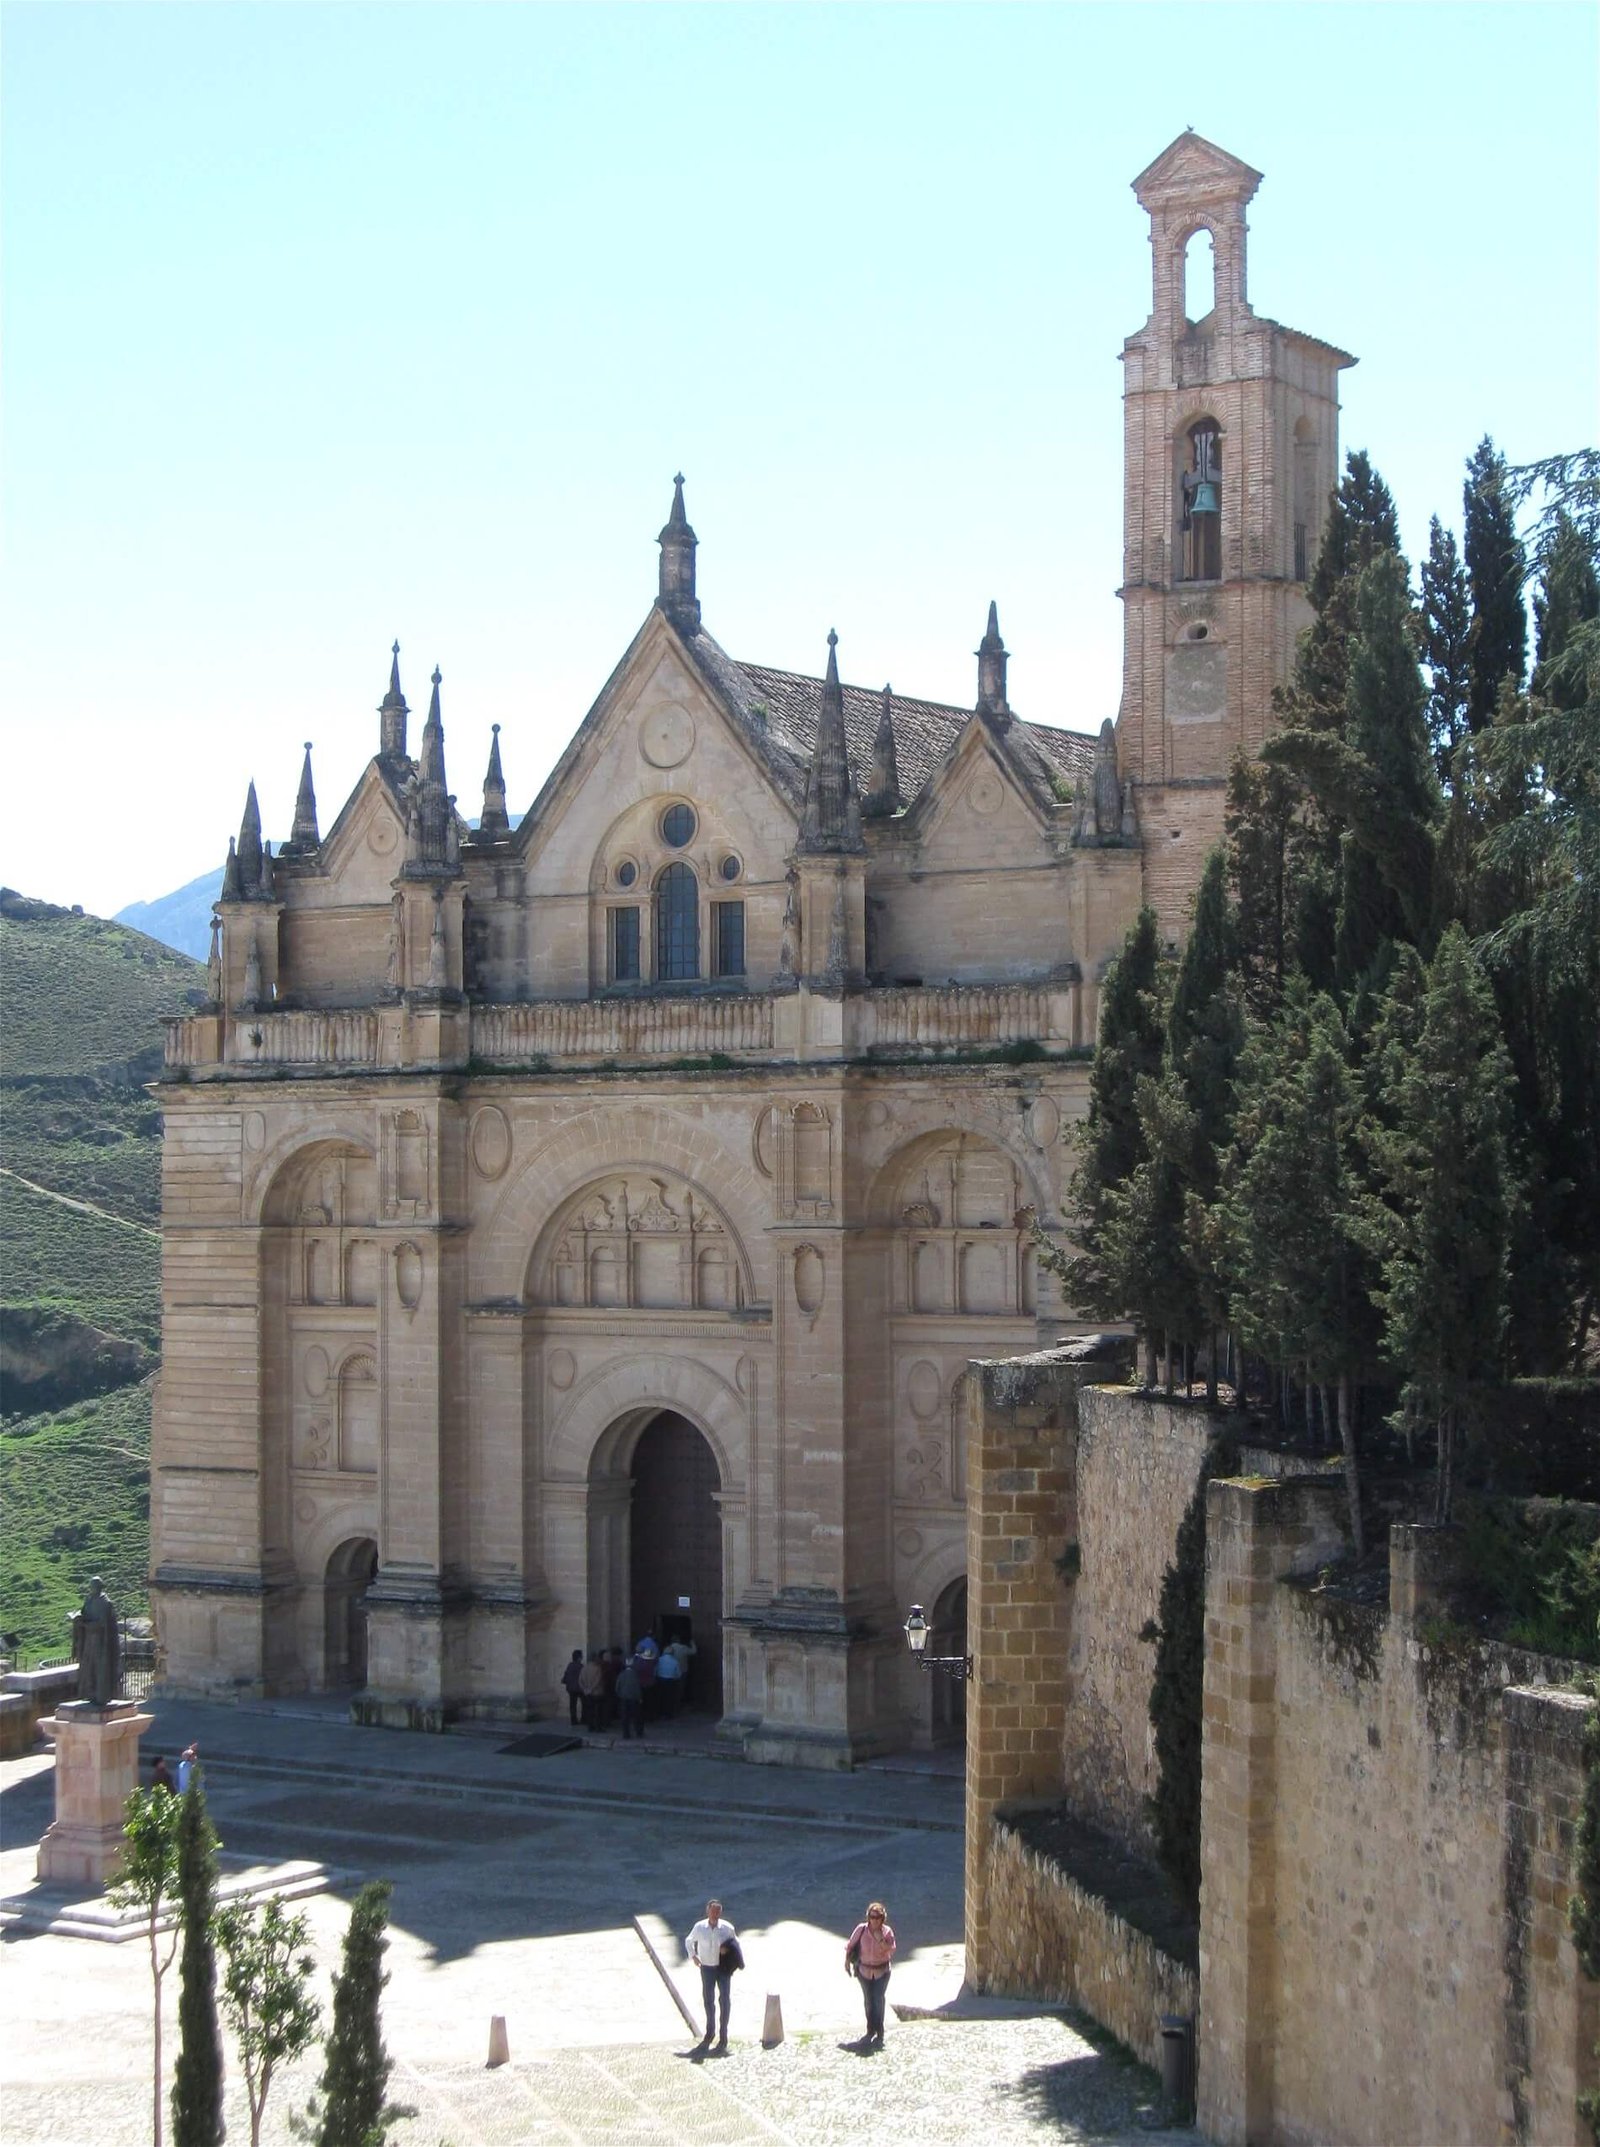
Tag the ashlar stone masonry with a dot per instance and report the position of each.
(580, 1223)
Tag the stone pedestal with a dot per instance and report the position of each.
(97, 1766)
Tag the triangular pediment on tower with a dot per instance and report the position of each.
(1193, 167)
(365, 847)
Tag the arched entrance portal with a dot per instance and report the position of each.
(655, 1543)
(949, 1637)
(350, 1574)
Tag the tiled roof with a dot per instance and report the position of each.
(924, 731)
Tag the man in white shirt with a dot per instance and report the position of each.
(704, 1946)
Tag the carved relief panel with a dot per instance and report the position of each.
(642, 1243)
(333, 1256)
(805, 1161)
(961, 1245)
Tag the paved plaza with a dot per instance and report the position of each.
(516, 1881)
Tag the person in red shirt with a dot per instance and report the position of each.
(867, 1954)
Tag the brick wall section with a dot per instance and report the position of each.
(1387, 1834)
(1020, 1517)
(1050, 1938)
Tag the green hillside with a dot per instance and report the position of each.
(80, 1140)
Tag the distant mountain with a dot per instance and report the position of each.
(181, 919)
(80, 1320)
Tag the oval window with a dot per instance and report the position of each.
(627, 872)
(731, 868)
(677, 826)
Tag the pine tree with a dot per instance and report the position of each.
(1112, 1142)
(197, 2119)
(1446, 636)
(356, 2111)
(1443, 1229)
(1496, 569)
(1568, 598)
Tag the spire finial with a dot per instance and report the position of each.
(883, 797)
(392, 713)
(832, 817)
(494, 820)
(675, 587)
(250, 845)
(992, 668)
(303, 835)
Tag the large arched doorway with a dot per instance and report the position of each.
(655, 1542)
(949, 1637)
(350, 1574)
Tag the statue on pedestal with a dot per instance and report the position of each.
(97, 1647)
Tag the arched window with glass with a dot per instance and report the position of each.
(677, 925)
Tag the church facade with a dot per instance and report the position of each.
(578, 1227)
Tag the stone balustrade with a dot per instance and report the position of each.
(899, 1021)
(732, 1025)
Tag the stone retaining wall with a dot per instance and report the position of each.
(1051, 1938)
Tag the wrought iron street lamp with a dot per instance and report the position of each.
(959, 1666)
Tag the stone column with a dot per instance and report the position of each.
(1021, 1514)
(97, 1767)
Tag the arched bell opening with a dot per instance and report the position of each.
(655, 1545)
(351, 1571)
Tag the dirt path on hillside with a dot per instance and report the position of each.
(84, 1207)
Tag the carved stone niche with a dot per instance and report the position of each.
(638, 1242)
(805, 1162)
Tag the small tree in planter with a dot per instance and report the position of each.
(150, 1823)
(266, 1994)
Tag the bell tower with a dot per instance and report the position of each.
(1230, 450)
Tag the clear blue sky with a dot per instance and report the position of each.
(328, 324)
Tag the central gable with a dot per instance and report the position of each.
(660, 731)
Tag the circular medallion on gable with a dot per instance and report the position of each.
(255, 1130)
(666, 737)
(490, 1141)
(877, 1113)
(306, 1509)
(922, 1389)
(381, 836)
(315, 1369)
(563, 1368)
(909, 1542)
(986, 796)
(1044, 1121)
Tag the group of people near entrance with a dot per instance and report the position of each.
(607, 1688)
(713, 1946)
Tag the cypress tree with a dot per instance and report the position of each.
(1260, 826)
(197, 2119)
(1390, 797)
(1446, 638)
(1362, 521)
(1204, 1036)
(356, 2111)
(1291, 1207)
(1112, 1142)
(1496, 569)
(1444, 1228)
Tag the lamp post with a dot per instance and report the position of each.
(916, 1629)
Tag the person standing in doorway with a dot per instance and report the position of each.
(570, 1677)
(669, 1683)
(631, 1701)
(867, 1954)
(713, 1946)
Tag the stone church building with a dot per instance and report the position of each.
(583, 1224)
